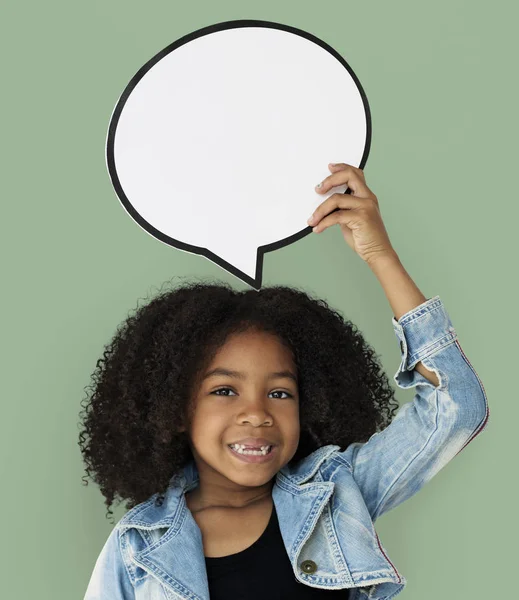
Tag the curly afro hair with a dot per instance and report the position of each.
(141, 386)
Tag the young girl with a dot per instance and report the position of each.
(252, 433)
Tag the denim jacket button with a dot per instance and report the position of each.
(308, 566)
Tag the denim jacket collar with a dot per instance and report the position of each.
(299, 504)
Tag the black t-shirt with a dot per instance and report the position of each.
(261, 571)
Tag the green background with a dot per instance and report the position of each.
(441, 80)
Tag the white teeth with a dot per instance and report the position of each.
(240, 448)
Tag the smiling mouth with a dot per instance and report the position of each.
(240, 449)
(253, 456)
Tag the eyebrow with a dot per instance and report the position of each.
(239, 375)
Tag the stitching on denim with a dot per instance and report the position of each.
(303, 536)
(380, 576)
(338, 557)
(157, 571)
(163, 523)
(287, 486)
(145, 535)
(168, 593)
(431, 349)
(387, 558)
(340, 457)
(123, 545)
(171, 532)
(128, 517)
(484, 421)
(324, 453)
(429, 306)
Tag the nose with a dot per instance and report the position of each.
(255, 412)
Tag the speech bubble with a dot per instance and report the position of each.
(216, 144)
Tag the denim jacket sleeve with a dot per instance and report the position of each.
(437, 424)
(110, 579)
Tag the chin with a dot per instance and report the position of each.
(255, 472)
(249, 479)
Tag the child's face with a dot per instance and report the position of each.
(255, 404)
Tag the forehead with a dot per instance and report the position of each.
(254, 344)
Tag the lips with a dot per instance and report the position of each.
(254, 458)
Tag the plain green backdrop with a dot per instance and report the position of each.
(441, 80)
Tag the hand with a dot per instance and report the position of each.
(358, 214)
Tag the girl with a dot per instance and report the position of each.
(252, 433)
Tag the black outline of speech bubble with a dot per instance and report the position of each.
(110, 161)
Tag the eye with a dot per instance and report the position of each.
(221, 390)
(282, 392)
(229, 389)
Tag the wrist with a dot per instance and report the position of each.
(383, 260)
(400, 289)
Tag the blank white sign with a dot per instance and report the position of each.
(216, 144)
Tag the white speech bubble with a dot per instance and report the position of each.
(216, 144)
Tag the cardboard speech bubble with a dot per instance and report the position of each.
(217, 142)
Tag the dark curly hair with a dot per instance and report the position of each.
(141, 386)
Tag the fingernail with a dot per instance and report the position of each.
(319, 185)
(310, 220)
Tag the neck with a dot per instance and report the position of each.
(212, 494)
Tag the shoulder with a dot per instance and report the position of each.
(151, 514)
(323, 463)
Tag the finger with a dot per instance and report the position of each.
(334, 166)
(344, 217)
(338, 166)
(349, 175)
(333, 202)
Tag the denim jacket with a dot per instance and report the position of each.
(327, 502)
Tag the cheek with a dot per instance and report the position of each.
(206, 426)
(290, 425)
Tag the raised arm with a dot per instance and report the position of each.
(450, 405)
(437, 424)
